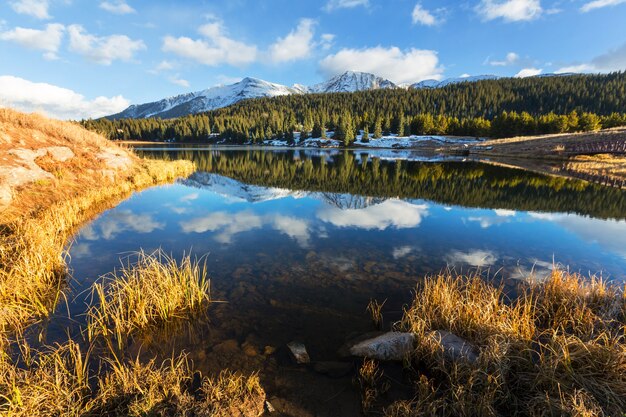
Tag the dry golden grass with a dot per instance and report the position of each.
(154, 290)
(558, 349)
(35, 228)
(371, 383)
(32, 272)
(63, 381)
(59, 383)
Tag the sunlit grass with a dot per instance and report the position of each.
(60, 382)
(32, 264)
(153, 290)
(558, 349)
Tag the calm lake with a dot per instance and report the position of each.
(298, 241)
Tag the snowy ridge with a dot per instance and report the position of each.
(205, 100)
(350, 82)
(449, 81)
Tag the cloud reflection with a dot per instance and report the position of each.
(475, 257)
(120, 221)
(394, 213)
(227, 225)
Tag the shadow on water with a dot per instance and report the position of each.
(300, 241)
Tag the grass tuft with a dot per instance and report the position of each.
(153, 291)
(558, 349)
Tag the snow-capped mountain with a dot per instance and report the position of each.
(205, 100)
(223, 96)
(351, 81)
(448, 81)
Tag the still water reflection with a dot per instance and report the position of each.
(299, 241)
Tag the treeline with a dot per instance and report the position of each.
(491, 108)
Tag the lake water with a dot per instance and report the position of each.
(298, 241)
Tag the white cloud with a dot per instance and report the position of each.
(399, 66)
(47, 40)
(505, 213)
(528, 72)
(55, 101)
(175, 79)
(423, 16)
(35, 8)
(121, 221)
(298, 44)
(296, 229)
(345, 4)
(575, 68)
(227, 225)
(227, 79)
(327, 40)
(117, 7)
(509, 10)
(613, 60)
(609, 234)
(215, 48)
(476, 257)
(394, 213)
(598, 4)
(402, 251)
(510, 59)
(105, 49)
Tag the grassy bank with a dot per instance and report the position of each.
(593, 156)
(557, 350)
(55, 176)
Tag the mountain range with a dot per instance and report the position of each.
(223, 96)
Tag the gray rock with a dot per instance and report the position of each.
(392, 346)
(454, 347)
(60, 153)
(298, 350)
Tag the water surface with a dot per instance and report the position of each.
(298, 241)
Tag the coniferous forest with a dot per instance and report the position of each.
(489, 108)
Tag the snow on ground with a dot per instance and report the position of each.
(386, 142)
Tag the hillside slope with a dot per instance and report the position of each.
(45, 161)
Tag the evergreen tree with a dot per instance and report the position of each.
(365, 138)
(378, 129)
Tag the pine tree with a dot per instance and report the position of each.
(365, 138)
(378, 129)
(400, 127)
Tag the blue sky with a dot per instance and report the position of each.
(79, 58)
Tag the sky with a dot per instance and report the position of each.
(75, 59)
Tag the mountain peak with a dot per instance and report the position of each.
(351, 81)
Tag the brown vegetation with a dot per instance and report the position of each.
(558, 349)
(55, 176)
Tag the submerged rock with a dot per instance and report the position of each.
(333, 369)
(298, 350)
(454, 347)
(391, 346)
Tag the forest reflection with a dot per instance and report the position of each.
(364, 173)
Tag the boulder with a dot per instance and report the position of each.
(391, 346)
(298, 350)
(59, 153)
(454, 347)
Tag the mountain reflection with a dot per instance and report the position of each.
(368, 178)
